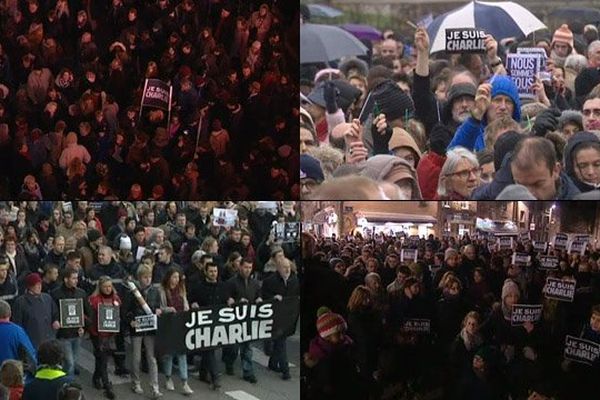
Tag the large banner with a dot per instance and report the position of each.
(156, 94)
(216, 326)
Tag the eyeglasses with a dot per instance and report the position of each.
(595, 111)
(466, 173)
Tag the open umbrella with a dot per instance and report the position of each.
(581, 14)
(363, 32)
(323, 11)
(324, 43)
(501, 19)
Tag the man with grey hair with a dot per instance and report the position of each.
(15, 341)
(593, 54)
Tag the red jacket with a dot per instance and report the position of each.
(428, 174)
(95, 301)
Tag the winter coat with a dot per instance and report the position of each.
(275, 285)
(72, 150)
(209, 293)
(450, 313)
(15, 342)
(48, 381)
(470, 134)
(365, 328)
(574, 142)
(35, 313)
(428, 173)
(428, 109)
(9, 290)
(94, 302)
(132, 308)
(239, 288)
(63, 292)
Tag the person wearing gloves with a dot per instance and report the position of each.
(582, 160)
(430, 165)
(494, 99)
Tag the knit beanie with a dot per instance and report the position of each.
(563, 35)
(330, 323)
(509, 287)
(32, 279)
(460, 89)
(392, 101)
(570, 116)
(310, 167)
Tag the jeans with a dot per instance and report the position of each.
(230, 354)
(137, 357)
(279, 357)
(71, 348)
(181, 363)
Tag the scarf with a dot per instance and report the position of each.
(472, 342)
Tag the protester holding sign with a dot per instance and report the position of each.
(173, 299)
(71, 337)
(104, 342)
(139, 302)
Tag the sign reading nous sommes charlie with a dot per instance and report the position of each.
(71, 313)
(216, 326)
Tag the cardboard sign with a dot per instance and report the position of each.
(560, 241)
(523, 69)
(71, 313)
(408, 255)
(521, 259)
(559, 289)
(505, 242)
(581, 350)
(541, 53)
(577, 247)
(224, 217)
(525, 237)
(522, 313)
(146, 323)
(549, 263)
(540, 247)
(417, 326)
(108, 318)
(465, 40)
(287, 231)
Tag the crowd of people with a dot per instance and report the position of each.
(142, 258)
(361, 304)
(71, 81)
(453, 126)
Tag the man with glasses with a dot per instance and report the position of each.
(311, 174)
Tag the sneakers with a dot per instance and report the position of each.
(169, 384)
(137, 388)
(156, 394)
(250, 378)
(186, 389)
(229, 369)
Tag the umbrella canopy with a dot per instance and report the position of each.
(323, 11)
(502, 19)
(363, 32)
(571, 14)
(324, 43)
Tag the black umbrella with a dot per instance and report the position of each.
(583, 15)
(324, 43)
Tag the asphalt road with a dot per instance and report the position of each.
(270, 386)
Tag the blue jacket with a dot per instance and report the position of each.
(470, 134)
(14, 340)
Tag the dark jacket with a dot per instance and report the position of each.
(427, 108)
(63, 292)
(9, 290)
(365, 328)
(132, 308)
(239, 288)
(209, 293)
(574, 142)
(275, 285)
(46, 384)
(36, 314)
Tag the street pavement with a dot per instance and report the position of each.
(270, 386)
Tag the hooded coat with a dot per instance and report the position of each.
(391, 169)
(471, 133)
(574, 142)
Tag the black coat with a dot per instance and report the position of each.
(275, 285)
(209, 293)
(238, 288)
(132, 307)
(365, 328)
(63, 292)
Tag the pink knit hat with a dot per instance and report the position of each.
(563, 35)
